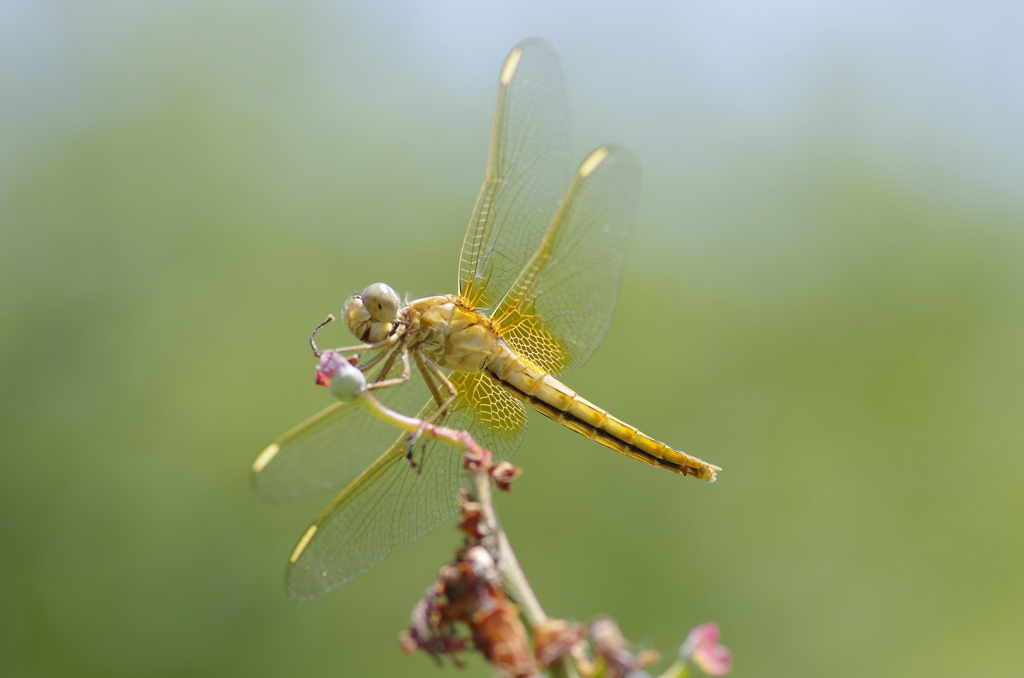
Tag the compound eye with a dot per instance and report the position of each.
(381, 301)
(357, 317)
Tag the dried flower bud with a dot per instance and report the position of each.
(469, 517)
(504, 473)
(420, 625)
(469, 592)
(476, 457)
(553, 638)
(502, 637)
(483, 565)
(610, 645)
(606, 636)
(428, 630)
(448, 574)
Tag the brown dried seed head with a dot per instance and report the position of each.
(470, 523)
(448, 573)
(471, 510)
(553, 638)
(502, 638)
(483, 565)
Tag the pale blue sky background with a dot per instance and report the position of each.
(934, 89)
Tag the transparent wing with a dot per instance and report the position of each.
(527, 170)
(392, 504)
(333, 447)
(558, 310)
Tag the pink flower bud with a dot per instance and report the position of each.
(341, 377)
(702, 648)
(330, 363)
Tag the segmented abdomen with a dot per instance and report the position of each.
(557, 401)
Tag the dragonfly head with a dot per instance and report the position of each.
(371, 315)
(339, 376)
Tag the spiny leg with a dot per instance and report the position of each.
(376, 359)
(412, 440)
(383, 374)
(384, 383)
(406, 373)
(384, 343)
(436, 371)
(428, 369)
(421, 363)
(372, 346)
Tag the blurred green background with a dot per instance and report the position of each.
(824, 297)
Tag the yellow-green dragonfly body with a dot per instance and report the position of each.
(538, 281)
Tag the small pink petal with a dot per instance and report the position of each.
(714, 660)
(330, 362)
(702, 648)
(705, 634)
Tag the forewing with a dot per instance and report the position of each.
(393, 504)
(333, 447)
(527, 170)
(559, 309)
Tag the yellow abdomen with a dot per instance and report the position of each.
(556, 401)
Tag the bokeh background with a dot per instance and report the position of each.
(824, 297)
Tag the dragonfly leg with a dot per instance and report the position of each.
(374, 360)
(383, 343)
(421, 361)
(406, 372)
(363, 347)
(392, 356)
(411, 446)
(448, 385)
(425, 365)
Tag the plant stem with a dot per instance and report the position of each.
(515, 580)
(678, 670)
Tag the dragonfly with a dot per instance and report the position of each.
(538, 281)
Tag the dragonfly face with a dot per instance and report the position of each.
(543, 255)
(370, 316)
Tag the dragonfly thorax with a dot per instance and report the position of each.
(371, 315)
(452, 336)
